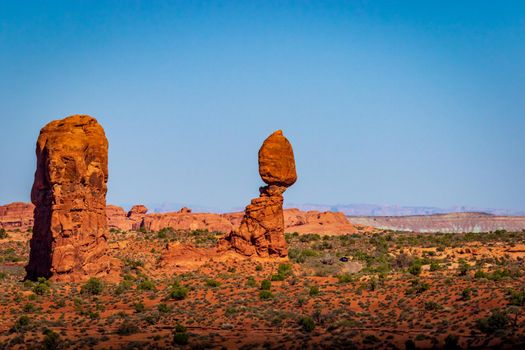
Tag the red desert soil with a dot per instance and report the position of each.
(395, 287)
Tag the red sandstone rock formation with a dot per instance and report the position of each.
(136, 214)
(187, 221)
(276, 161)
(262, 228)
(118, 218)
(70, 231)
(334, 223)
(16, 216)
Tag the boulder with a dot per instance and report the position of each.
(276, 161)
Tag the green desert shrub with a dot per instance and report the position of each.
(163, 308)
(415, 268)
(465, 294)
(300, 255)
(417, 287)
(51, 340)
(139, 307)
(497, 321)
(283, 271)
(177, 291)
(250, 282)
(265, 295)
(345, 278)
(146, 284)
(93, 286)
(517, 298)
(123, 286)
(29, 307)
(481, 274)
(309, 237)
(212, 283)
(463, 267)
(307, 324)
(127, 328)
(451, 342)
(180, 335)
(314, 291)
(266, 285)
(432, 305)
(133, 264)
(42, 286)
(22, 324)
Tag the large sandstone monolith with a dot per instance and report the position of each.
(69, 240)
(262, 228)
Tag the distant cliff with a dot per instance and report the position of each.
(397, 210)
(453, 222)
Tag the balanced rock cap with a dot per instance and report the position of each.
(276, 161)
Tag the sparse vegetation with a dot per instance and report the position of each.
(393, 281)
(180, 335)
(177, 291)
(307, 324)
(93, 286)
(497, 321)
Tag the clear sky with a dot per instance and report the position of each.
(387, 102)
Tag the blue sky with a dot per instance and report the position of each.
(388, 102)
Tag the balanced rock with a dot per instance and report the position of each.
(276, 161)
(261, 231)
(69, 239)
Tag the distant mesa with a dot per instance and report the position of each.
(261, 231)
(16, 216)
(69, 239)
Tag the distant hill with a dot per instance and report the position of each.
(452, 222)
(396, 210)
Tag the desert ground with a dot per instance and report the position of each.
(367, 290)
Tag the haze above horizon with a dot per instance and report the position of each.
(408, 103)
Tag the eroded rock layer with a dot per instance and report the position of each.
(69, 239)
(261, 231)
(16, 216)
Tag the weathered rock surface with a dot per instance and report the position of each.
(261, 231)
(136, 214)
(16, 216)
(118, 218)
(187, 221)
(69, 239)
(317, 222)
(276, 161)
